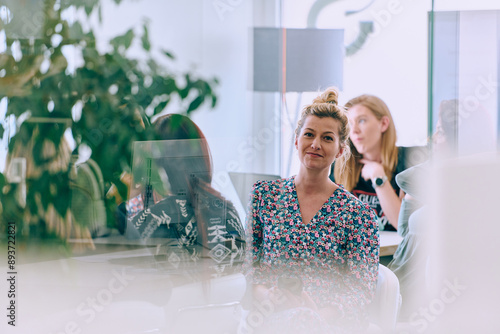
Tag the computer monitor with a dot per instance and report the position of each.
(164, 172)
(243, 183)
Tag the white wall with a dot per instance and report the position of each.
(393, 62)
(174, 25)
(210, 38)
(442, 5)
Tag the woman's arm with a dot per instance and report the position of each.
(390, 201)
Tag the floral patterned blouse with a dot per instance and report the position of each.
(335, 255)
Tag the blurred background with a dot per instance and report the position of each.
(80, 81)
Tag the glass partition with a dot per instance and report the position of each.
(464, 78)
(464, 119)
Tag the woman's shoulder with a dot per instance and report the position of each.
(265, 186)
(343, 195)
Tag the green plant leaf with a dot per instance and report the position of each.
(123, 40)
(169, 54)
(42, 187)
(110, 121)
(62, 198)
(184, 92)
(2, 181)
(153, 65)
(75, 30)
(89, 7)
(62, 203)
(99, 14)
(169, 85)
(195, 104)
(145, 38)
(10, 206)
(159, 108)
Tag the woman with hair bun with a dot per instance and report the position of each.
(374, 160)
(312, 247)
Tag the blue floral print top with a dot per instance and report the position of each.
(335, 255)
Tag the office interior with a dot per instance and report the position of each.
(250, 66)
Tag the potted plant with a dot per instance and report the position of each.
(104, 104)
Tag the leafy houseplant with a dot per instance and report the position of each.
(107, 103)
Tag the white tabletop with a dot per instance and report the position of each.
(389, 242)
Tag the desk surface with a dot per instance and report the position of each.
(389, 242)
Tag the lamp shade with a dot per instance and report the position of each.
(313, 59)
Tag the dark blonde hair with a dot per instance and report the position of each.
(185, 173)
(327, 105)
(178, 127)
(389, 152)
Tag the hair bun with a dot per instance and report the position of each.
(330, 95)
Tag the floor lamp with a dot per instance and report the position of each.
(297, 60)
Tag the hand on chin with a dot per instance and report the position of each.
(371, 169)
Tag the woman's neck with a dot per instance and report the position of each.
(313, 182)
(374, 155)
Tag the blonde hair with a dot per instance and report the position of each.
(326, 105)
(389, 152)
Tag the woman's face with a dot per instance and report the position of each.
(366, 130)
(318, 142)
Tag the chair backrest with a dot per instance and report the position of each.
(414, 155)
(87, 197)
(383, 311)
(243, 183)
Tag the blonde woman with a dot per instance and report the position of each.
(312, 246)
(375, 159)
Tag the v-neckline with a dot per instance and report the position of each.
(294, 187)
